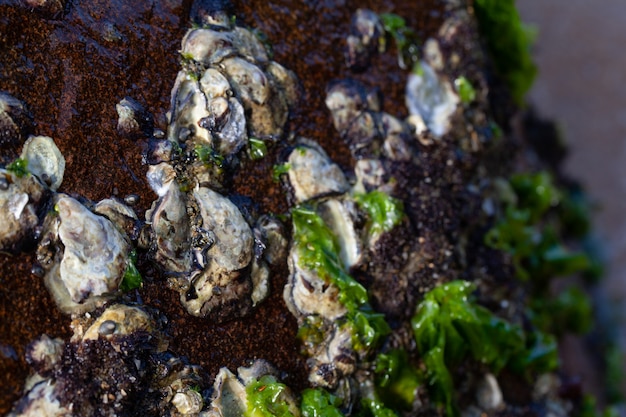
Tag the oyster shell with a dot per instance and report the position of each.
(432, 97)
(249, 46)
(21, 199)
(308, 165)
(119, 363)
(231, 396)
(339, 215)
(122, 216)
(119, 319)
(248, 81)
(44, 160)
(133, 121)
(224, 247)
(307, 294)
(364, 40)
(333, 359)
(170, 226)
(188, 108)
(208, 46)
(16, 123)
(41, 401)
(84, 255)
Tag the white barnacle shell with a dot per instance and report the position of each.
(45, 160)
(133, 120)
(369, 173)
(208, 46)
(397, 133)
(312, 174)
(188, 402)
(118, 319)
(488, 393)
(432, 97)
(161, 177)
(93, 257)
(20, 198)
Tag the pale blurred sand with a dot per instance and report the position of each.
(582, 84)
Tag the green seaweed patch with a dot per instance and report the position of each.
(384, 212)
(536, 193)
(570, 311)
(317, 402)
(523, 232)
(375, 408)
(258, 149)
(19, 167)
(407, 41)
(449, 326)
(537, 253)
(509, 42)
(589, 408)
(318, 251)
(209, 156)
(465, 90)
(278, 170)
(541, 354)
(266, 398)
(396, 379)
(132, 278)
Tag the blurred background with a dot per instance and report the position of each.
(582, 85)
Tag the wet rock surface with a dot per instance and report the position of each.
(87, 59)
(73, 66)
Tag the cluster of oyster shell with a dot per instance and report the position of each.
(215, 254)
(227, 92)
(216, 257)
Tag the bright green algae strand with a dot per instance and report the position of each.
(465, 89)
(396, 379)
(318, 250)
(407, 41)
(449, 327)
(525, 232)
(19, 167)
(319, 403)
(384, 212)
(258, 148)
(132, 278)
(265, 398)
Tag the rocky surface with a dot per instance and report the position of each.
(85, 58)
